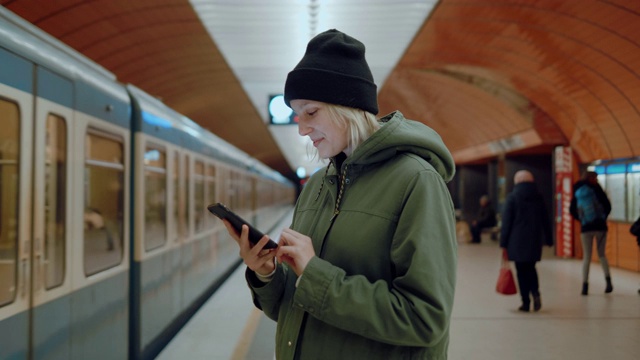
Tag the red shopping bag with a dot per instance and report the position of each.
(506, 284)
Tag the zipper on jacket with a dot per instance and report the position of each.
(336, 210)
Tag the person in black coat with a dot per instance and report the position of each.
(525, 229)
(596, 229)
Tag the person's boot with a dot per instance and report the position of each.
(609, 287)
(537, 302)
(585, 288)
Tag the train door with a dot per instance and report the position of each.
(16, 120)
(51, 252)
(34, 281)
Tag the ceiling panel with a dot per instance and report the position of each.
(264, 40)
(572, 60)
(491, 76)
(162, 47)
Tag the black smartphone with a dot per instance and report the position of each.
(236, 221)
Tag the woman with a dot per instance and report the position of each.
(593, 225)
(525, 229)
(367, 269)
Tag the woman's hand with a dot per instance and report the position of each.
(295, 249)
(255, 257)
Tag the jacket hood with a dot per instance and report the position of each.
(399, 135)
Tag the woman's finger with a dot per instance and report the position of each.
(261, 259)
(290, 237)
(259, 246)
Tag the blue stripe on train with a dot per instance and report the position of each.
(54, 87)
(103, 105)
(16, 71)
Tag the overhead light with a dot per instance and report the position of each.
(279, 112)
(301, 172)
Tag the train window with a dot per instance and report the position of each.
(55, 200)
(211, 190)
(9, 180)
(231, 187)
(186, 194)
(155, 207)
(198, 192)
(175, 213)
(254, 194)
(104, 201)
(242, 191)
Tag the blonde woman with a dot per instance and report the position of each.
(367, 269)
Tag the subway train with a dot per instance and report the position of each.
(106, 246)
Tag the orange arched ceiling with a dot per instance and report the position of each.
(497, 76)
(491, 76)
(161, 47)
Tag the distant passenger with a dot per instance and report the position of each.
(368, 268)
(638, 240)
(93, 219)
(525, 229)
(635, 231)
(486, 219)
(590, 205)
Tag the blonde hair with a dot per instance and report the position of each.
(360, 124)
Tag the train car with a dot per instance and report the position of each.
(106, 247)
(182, 247)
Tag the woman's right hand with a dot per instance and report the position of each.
(256, 258)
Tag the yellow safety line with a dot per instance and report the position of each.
(246, 338)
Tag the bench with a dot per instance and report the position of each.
(493, 232)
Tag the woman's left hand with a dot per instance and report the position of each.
(295, 249)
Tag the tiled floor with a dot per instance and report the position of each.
(485, 325)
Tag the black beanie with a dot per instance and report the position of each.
(333, 70)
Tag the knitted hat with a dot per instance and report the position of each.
(333, 70)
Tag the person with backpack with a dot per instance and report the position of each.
(591, 207)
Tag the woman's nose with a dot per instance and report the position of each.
(303, 129)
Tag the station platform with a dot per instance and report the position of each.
(485, 324)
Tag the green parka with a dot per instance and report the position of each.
(382, 283)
